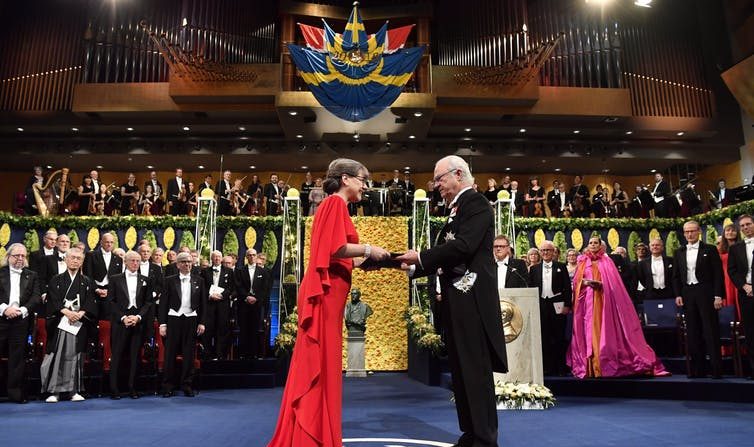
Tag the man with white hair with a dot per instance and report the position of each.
(181, 316)
(463, 261)
(37, 258)
(72, 304)
(19, 295)
(220, 284)
(130, 299)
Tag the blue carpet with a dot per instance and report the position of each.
(380, 406)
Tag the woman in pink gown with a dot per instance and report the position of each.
(607, 338)
(310, 413)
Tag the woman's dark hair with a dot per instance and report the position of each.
(334, 179)
(724, 244)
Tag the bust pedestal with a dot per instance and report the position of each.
(356, 362)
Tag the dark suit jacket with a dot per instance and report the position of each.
(50, 269)
(260, 286)
(28, 288)
(56, 295)
(171, 297)
(222, 191)
(226, 281)
(270, 191)
(465, 243)
(738, 266)
(517, 275)
(400, 184)
(561, 282)
(117, 293)
(709, 270)
(727, 199)
(663, 189)
(627, 273)
(38, 262)
(173, 189)
(644, 275)
(94, 265)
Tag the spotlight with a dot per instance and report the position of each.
(186, 128)
(418, 114)
(643, 3)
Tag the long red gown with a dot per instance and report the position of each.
(310, 413)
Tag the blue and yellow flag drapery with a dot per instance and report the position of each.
(354, 75)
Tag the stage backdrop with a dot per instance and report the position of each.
(386, 292)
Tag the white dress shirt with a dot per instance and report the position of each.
(107, 256)
(658, 272)
(49, 251)
(547, 280)
(562, 201)
(502, 272)
(14, 299)
(692, 252)
(216, 275)
(132, 282)
(61, 264)
(749, 254)
(252, 268)
(185, 308)
(144, 268)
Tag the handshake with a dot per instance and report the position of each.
(380, 258)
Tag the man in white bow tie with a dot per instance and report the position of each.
(740, 262)
(698, 287)
(220, 284)
(19, 294)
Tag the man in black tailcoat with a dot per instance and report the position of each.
(218, 306)
(554, 284)
(698, 287)
(471, 309)
(253, 294)
(740, 260)
(19, 295)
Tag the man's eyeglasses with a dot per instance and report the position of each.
(439, 177)
(501, 246)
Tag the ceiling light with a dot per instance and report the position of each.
(299, 136)
(522, 130)
(356, 136)
(99, 167)
(557, 169)
(200, 167)
(577, 131)
(130, 129)
(150, 167)
(629, 132)
(643, 3)
(653, 171)
(407, 167)
(606, 170)
(507, 169)
(20, 129)
(466, 138)
(241, 128)
(468, 129)
(304, 167)
(292, 113)
(680, 134)
(49, 166)
(243, 138)
(411, 137)
(418, 114)
(186, 128)
(74, 129)
(252, 167)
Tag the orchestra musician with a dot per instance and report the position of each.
(147, 201)
(598, 202)
(30, 205)
(129, 196)
(87, 196)
(722, 196)
(272, 196)
(174, 189)
(661, 194)
(518, 199)
(206, 184)
(254, 193)
(306, 187)
(535, 198)
(619, 201)
(224, 195)
(159, 203)
(579, 198)
(561, 202)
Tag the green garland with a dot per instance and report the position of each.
(711, 235)
(559, 240)
(522, 244)
(31, 241)
(270, 248)
(138, 222)
(74, 237)
(672, 243)
(230, 242)
(187, 239)
(286, 338)
(633, 241)
(150, 237)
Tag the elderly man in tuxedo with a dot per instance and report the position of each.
(130, 299)
(217, 277)
(19, 294)
(471, 309)
(181, 316)
(698, 286)
(253, 294)
(551, 278)
(740, 261)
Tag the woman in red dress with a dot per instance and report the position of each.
(310, 413)
(728, 238)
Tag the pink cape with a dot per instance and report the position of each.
(623, 351)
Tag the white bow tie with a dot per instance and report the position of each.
(132, 275)
(749, 241)
(18, 272)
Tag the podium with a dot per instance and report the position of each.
(523, 337)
